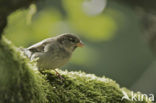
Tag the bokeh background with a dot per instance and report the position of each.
(117, 44)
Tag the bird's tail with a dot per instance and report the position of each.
(26, 52)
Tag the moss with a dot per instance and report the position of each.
(21, 83)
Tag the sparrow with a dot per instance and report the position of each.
(54, 52)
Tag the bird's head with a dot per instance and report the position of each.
(70, 41)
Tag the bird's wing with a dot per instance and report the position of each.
(39, 47)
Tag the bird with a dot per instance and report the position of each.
(53, 52)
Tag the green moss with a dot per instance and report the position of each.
(19, 83)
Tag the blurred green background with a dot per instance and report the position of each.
(115, 45)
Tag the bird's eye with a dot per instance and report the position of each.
(72, 40)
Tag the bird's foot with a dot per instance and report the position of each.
(59, 75)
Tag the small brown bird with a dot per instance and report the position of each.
(54, 52)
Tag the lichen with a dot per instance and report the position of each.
(21, 83)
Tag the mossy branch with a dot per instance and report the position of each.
(20, 83)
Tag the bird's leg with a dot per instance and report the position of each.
(59, 75)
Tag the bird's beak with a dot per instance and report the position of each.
(80, 44)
